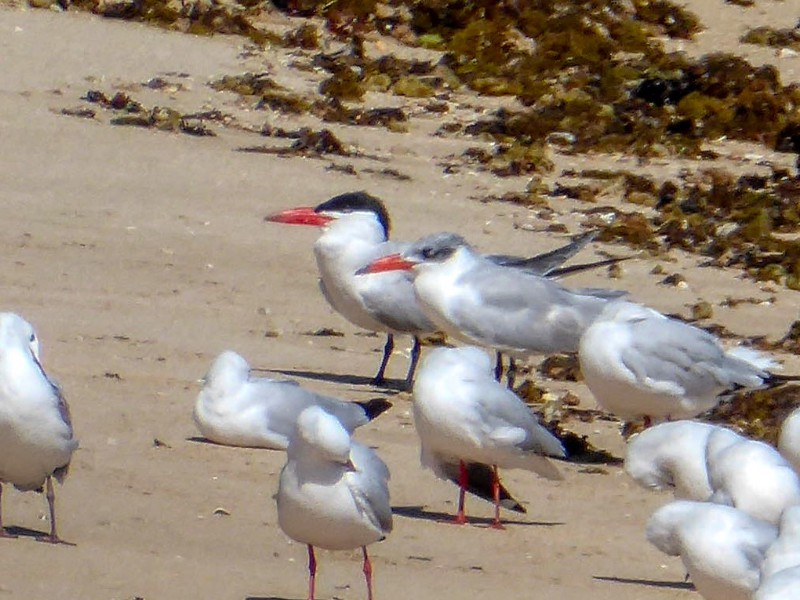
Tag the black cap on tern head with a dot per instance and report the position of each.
(355, 202)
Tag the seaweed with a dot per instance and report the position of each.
(732, 220)
(308, 142)
(129, 112)
(775, 38)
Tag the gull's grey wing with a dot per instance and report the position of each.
(671, 353)
(369, 486)
(501, 409)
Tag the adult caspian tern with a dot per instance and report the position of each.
(356, 229)
(333, 492)
(479, 302)
(37, 439)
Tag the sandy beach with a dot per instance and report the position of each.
(140, 254)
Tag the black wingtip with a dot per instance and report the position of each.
(480, 485)
(375, 407)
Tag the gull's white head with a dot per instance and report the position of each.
(622, 310)
(228, 371)
(469, 359)
(16, 332)
(323, 435)
(662, 528)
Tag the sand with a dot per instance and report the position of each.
(140, 254)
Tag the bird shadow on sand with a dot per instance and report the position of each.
(271, 598)
(390, 386)
(201, 440)
(16, 531)
(419, 512)
(675, 585)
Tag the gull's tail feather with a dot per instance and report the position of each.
(375, 407)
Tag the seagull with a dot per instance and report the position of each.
(638, 363)
(675, 454)
(782, 585)
(356, 228)
(479, 302)
(465, 417)
(784, 553)
(333, 492)
(721, 547)
(753, 477)
(789, 439)
(36, 436)
(235, 409)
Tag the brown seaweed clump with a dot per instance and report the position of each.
(775, 38)
(746, 222)
(758, 414)
(130, 112)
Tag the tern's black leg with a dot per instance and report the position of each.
(498, 368)
(387, 352)
(412, 366)
(511, 374)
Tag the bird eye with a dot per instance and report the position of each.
(427, 253)
(33, 337)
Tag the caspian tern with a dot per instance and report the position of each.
(356, 229)
(333, 492)
(465, 417)
(479, 302)
(721, 547)
(638, 363)
(235, 409)
(37, 439)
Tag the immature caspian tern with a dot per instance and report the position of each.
(37, 441)
(479, 302)
(235, 409)
(333, 492)
(465, 417)
(356, 229)
(722, 548)
(640, 363)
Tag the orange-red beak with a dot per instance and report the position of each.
(299, 216)
(392, 262)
